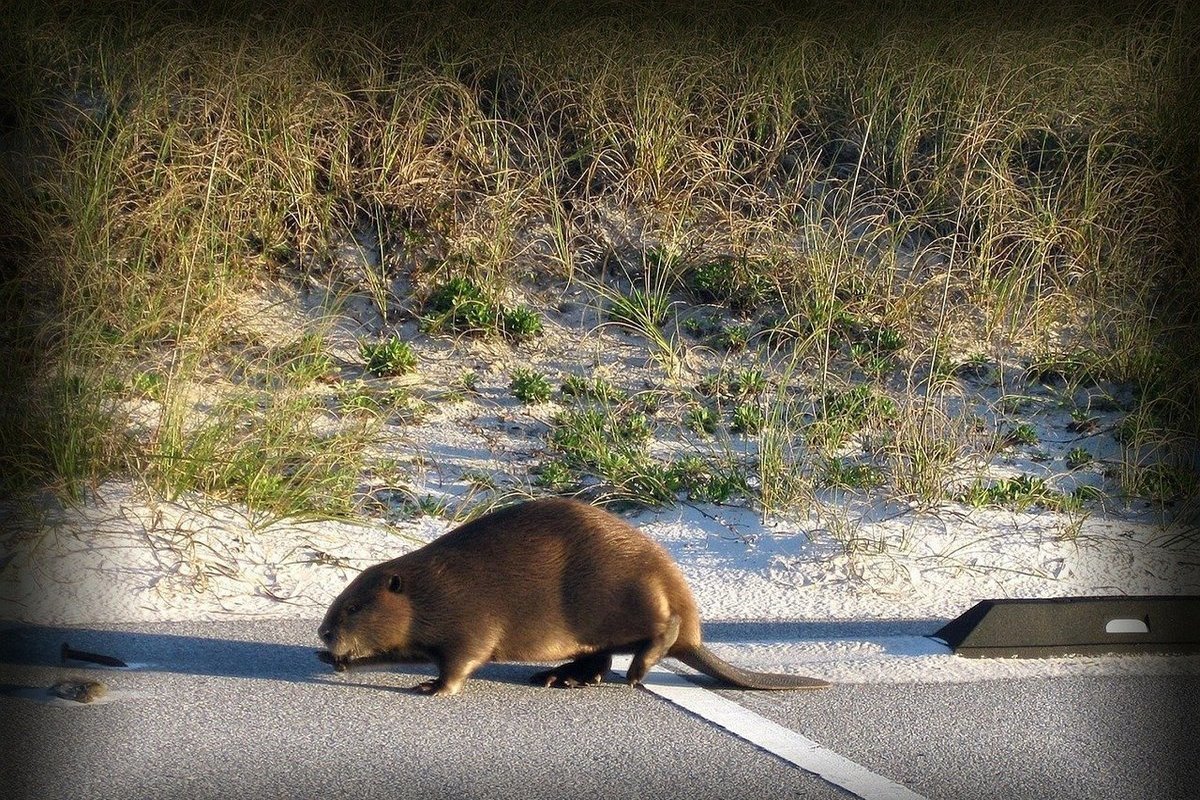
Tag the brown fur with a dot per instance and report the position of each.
(545, 580)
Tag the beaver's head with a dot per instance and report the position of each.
(372, 616)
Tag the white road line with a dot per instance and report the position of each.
(770, 736)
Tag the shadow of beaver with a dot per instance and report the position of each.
(281, 650)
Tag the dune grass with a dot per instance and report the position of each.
(895, 189)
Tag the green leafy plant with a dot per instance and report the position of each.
(846, 474)
(841, 412)
(888, 340)
(710, 385)
(598, 388)
(722, 484)
(305, 359)
(701, 419)
(463, 305)
(633, 427)
(856, 404)
(530, 386)
(1078, 457)
(1082, 421)
(556, 475)
(1019, 491)
(733, 338)
(391, 356)
(406, 408)
(613, 448)
(701, 325)
(575, 386)
(480, 479)
(430, 506)
(747, 419)
(870, 360)
(1162, 482)
(1023, 434)
(148, 384)
(521, 324)
(1015, 403)
(467, 382)
(1050, 368)
(748, 382)
(732, 282)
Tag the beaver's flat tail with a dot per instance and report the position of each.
(701, 658)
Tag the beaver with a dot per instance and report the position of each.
(542, 580)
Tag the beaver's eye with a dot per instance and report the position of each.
(395, 584)
(353, 608)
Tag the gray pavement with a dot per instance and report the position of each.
(244, 709)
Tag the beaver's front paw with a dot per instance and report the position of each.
(338, 664)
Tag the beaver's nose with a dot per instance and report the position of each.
(326, 633)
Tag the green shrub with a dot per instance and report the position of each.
(888, 340)
(701, 325)
(555, 475)
(748, 382)
(357, 396)
(1023, 434)
(722, 484)
(701, 419)
(856, 405)
(733, 338)
(613, 448)
(521, 324)
(1020, 491)
(1078, 456)
(461, 304)
(841, 412)
(392, 356)
(148, 384)
(731, 282)
(530, 386)
(847, 474)
(747, 419)
(598, 389)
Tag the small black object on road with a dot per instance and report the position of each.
(70, 654)
(1061, 626)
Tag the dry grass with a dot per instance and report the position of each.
(965, 182)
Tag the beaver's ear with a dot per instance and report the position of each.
(395, 584)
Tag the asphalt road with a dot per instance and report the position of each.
(244, 709)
